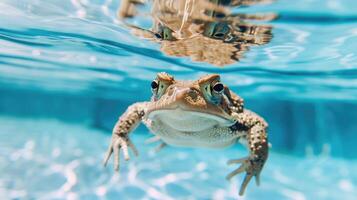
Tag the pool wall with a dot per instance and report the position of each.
(301, 127)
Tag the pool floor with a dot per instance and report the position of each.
(49, 159)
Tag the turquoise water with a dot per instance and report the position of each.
(68, 69)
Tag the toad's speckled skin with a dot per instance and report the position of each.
(195, 114)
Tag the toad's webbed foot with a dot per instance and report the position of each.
(251, 166)
(119, 143)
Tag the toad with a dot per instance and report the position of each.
(201, 113)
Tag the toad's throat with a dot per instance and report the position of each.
(188, 121)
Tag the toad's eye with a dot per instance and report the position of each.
(219, 35)
(167, 34)
(218, 87)
(158, 35)
(154, 84)
(217, 30)
(164, 33)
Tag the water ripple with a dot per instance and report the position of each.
(311, 55)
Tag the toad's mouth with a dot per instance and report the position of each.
(188, 121)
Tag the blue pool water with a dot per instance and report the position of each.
(68, 69)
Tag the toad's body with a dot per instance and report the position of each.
(202, 113)
(191, 129)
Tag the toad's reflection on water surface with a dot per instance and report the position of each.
(205, 31)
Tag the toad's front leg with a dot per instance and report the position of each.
(120, 137)
(257, 140)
